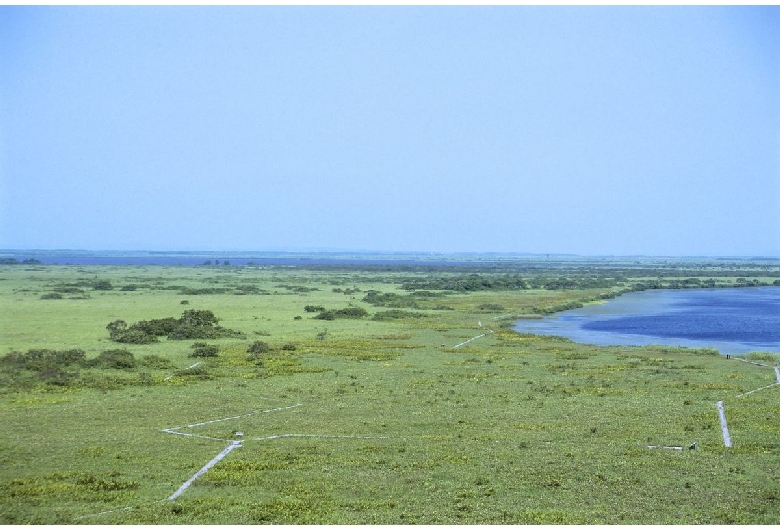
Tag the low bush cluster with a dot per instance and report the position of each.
(298, 288)
(193, 324)
(194, 291)
(39, 360)
(347, 312)
(467, 282)
(377, 298)
(51, 296)
(201, 349)
(258, 347)
(117, 359)
(102, 285)
(395, 314)
(71, 367)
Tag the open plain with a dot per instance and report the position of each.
(358, 394)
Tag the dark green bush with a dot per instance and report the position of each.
(47, 366)
(298, 288)
(198, 317)
(389, 299)
(41, 359)
(68, 289)
(157, 327)
(491, 307)
(193, 324)
(199, 372)
(117, 359)
(258, 346)
(394, 314)
(192, 291)
(247, 289)
(54, 375)
(102, 285)
(201, 349)
(51, 296)
(155, 361)
(348, 312)
(119, 332)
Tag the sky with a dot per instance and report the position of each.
(582, 130)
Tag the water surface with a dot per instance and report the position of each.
(736, 320)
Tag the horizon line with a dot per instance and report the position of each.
(326, 250)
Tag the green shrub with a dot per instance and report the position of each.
(119, 332)
(41, 359)
(395, 314)
(247, 289)
(157, 327)
(54, 375)
(193, 332)
(198, 317)
(389, 299)
(193, 324)
(155, 361)
(199, 372)
(201, 349)
(763, 356)
(102, 285)
(191, 291)
(117, 359)
(68, 289)
(258, 347)
(51, 296)
(348, 312)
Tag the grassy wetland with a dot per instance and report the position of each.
(358, 394)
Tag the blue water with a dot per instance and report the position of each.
(732, 321)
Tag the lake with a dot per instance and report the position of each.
(732, 321)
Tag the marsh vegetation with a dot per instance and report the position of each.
(354, 407)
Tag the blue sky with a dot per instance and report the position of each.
(584, 130)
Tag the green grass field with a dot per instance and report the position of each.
(373, 420)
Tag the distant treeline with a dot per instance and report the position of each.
(498, 282)
(14, 261)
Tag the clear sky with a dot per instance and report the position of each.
(584, 130)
